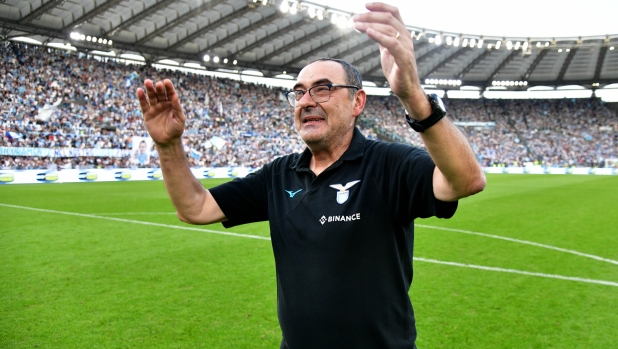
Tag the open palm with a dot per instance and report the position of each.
(162, 112)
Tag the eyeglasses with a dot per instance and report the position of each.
(319, 93)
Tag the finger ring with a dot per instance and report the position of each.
(397, 36)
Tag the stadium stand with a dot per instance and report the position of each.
(54, 98)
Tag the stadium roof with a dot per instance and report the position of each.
(241, 35)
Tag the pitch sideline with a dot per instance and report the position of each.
(420, 259)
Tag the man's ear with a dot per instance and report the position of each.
(360, 98)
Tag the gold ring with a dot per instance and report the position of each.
(397, 36)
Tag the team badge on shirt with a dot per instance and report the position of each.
(343, 193)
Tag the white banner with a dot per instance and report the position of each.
(110, 175)
(150, 174)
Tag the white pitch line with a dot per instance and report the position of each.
(513, 271)
(133, 213)
(521, 242)
(138, 222)
(601, 282)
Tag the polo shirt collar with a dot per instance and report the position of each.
(354, 151)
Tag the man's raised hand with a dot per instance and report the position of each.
(162, 112)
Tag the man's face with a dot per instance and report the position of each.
(321, 125)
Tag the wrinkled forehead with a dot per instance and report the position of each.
(320, 72)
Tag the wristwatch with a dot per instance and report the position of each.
(437, 112)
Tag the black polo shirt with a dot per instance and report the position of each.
(342, 240)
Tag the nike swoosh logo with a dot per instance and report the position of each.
(292, 193)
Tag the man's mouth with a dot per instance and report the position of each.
(312, 119)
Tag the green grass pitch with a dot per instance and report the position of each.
(531, 262)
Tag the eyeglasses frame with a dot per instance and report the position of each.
(330, 86)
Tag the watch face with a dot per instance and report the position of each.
(438, 102)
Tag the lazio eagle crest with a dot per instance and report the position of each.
(343, 193)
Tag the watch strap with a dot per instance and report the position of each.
(436, 115)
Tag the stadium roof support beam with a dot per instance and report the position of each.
(90, 15)
(446, 61)
(419, 59)
(223, 19)
(366, 57)
(473, 64)
(502, 65)
(350, 49)
(537, 60)
(323, 47)
(284, 48)
(167, 26)
(600, 60)
(253, 26)
(259, 42)
(44, 8)
(138, 17)
(565, 66)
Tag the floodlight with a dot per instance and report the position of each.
(207, 58)
(333, 18)
(311, 11)
(438, 40)
(215, 59)
(480, 44)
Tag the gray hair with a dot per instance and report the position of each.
(352, 76)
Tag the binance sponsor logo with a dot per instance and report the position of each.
(331, 219)
(88, 176)
(49, 176)
(6, 177)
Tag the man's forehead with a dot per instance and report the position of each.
(321, 72)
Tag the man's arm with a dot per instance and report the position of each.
(457, 173)
(165, 121)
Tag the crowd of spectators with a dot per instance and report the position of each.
(53, 98)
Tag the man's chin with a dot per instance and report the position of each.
(312, 138)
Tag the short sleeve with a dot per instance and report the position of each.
(411, 185)
(243, 200)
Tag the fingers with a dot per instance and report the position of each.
(380, 16)
(384, 25)
(168, 87)
(143, 102)
(170, 92)
(382, 7)
(150, 91)
(160, 91)
(157, 93)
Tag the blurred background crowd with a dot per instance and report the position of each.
(56, 99)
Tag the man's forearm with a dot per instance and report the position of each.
(185, 191)
(454, 157)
